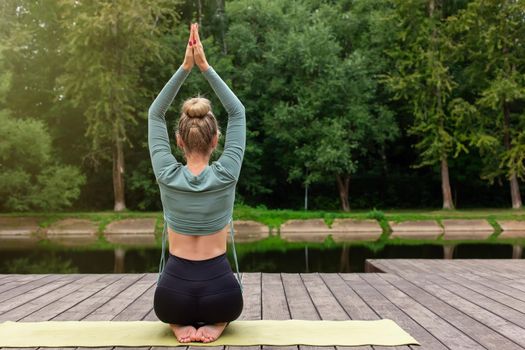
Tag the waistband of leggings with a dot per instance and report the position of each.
(197, 270)
(200, 262)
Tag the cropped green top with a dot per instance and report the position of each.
(197, 204)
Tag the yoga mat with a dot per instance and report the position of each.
(239, 332)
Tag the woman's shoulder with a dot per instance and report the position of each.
(220, 171)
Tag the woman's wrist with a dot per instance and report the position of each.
(204, 67)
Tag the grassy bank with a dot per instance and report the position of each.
(274, 218)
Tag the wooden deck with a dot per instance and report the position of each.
(457, 304)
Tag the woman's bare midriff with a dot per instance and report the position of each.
(198, 247)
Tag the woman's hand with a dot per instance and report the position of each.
(188, 57)
(198, 50)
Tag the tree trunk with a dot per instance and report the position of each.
(514, 185)
(343, 184)
(118, 175)
(199, 14)
(344, 264)
(445, 179)
(118, 153)
(445, 186)
(220, 14)
(515, 192)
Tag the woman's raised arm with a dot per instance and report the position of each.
(232, 156)
(158, 140)
(235, 142)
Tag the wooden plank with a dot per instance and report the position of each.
(447, 266)
(64, 303)
(119, 302)
(350, 303)
(300, 303)
(274, 303)
(298, 299)
(34, 305)
(504, 269)
(486, 268)
(141, 306)
(438, 327)
(512, 289)
(359, 298)
(492, 296)
(354, 304)
(404, 265)
(252, 309)
(83, 309)
(16, 280)
(16, 299)
(508, 265)
(22, 289)
(55, 279)
(485, 336)
(464, 266)
(501, 319)
(252, 296)
(327, 305)
(324, 301)
(518, 284)
(142, 295)
(5, 276)
(504, 296)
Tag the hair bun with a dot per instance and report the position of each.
(196, 107)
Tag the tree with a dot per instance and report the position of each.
(32, 38)
(422, 78)
(323, 112)
(106, 44)
(30, 179)
(489, 36)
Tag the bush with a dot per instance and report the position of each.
(29, 178)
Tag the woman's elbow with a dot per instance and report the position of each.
(151, 112)
(241, 110)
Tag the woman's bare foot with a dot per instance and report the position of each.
(210, 332)
(184, 333)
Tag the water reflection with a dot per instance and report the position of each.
(339, 259)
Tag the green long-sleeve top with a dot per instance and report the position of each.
(202, 204)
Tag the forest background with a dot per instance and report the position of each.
(350, 104)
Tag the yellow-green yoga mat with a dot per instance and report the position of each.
(239, 332)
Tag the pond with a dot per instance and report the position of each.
(336, 259)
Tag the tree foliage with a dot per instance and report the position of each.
(489, 35)
(376, 93)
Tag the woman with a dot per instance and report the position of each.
(197, 292)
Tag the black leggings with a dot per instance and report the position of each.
(197, 292)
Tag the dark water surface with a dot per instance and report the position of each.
(349, 259)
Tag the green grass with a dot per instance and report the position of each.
(276, 217)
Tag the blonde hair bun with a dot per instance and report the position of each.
(196, 107)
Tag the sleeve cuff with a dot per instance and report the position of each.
(208, 71)
(184, 70)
